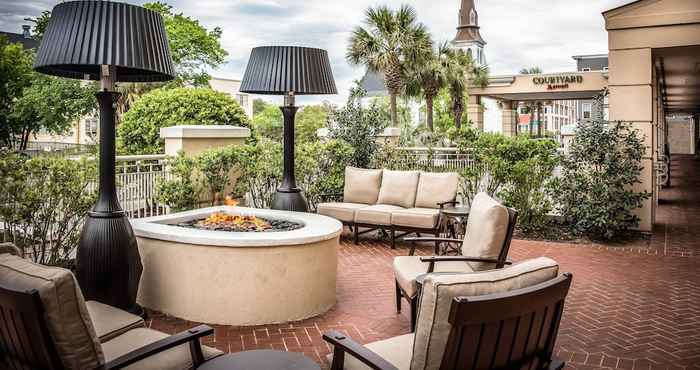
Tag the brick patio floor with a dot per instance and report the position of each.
(631, 307)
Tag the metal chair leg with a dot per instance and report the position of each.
(414, 313)
(398, 297)
(392, 233)
(356, 234)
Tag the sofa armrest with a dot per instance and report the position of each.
(443, 204)
(342, 344)
(190, 336)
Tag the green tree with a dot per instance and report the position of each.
(52, 104)
(359, 127)
(595, 190)
(269, 123)
(259, 105)
(426, 79)
(140, 129)
(194, 48)
(391, 42)
(308, 121)
(15, 75)
(461, 71)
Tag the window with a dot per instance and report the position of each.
(472, 17)
(242, 100)
(469, 53)
(91, 127)
(587, 108)
(605, 69)
(586, 69)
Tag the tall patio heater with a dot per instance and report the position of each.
(288, 71)
(107, 42)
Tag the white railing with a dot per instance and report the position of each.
(136, 177)
(436, 159)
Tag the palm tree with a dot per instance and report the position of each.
(389, 43)
(461, 71)
(427, 79)
(533, 106)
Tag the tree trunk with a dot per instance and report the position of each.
(457, 111)
(392, 109)
(25, 139)
(540, 129)
(429, 112)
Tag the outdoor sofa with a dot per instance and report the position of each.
(46, 325)
(395, 201)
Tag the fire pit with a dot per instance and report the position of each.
(238, 266)
(221, 221)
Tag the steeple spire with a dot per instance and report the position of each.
(468, 29)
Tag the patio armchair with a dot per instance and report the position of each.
(47, 325)
(485, 246)
(498, 319)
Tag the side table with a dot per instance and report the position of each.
(261, 360)
(453, 225)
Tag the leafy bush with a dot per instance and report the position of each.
(260, 172)
(43, 204)
(359, 127)
(320, 168)
(181, 192)
(139, 133)
(269, 123)
(594, 193)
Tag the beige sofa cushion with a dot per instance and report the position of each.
(178, 358)
(110, 322)
(379, 214)
(339, 211)
(397, 351)
(434, 188)
(67, 317)
(361, 185)
(433, 328)
(486, 230)
(407, 269)
(424, 218)
(399, 188)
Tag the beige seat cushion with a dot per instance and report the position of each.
(178, 358)
(486, 230)
(424, 218)
(67, 317)
(399, 188)
(110, 322)
(407, 269)
(361, 185)
(339, 211)
(379, 214)
(396, 350)
(434, 188)
(433, 328)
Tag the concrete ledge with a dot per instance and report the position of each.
(204, 132)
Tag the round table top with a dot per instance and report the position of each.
(261, 360)
(455, 211)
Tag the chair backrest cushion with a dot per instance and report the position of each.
(67, 318)
(434, 188)
(399, 188)
(361, 185)
(486, 230)
(438, 292)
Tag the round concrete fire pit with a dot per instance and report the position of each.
(238, 278)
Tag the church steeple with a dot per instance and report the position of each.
(468, 29)
(468, 36)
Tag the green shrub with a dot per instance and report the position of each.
(181, 191)
(359, 127)
(594, 193)
(320, 168)
(43, 204)
(139, 132)
(260, 172)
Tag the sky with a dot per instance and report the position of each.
(519, 33)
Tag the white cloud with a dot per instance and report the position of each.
(519, 33)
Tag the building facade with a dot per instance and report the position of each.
(232, 88)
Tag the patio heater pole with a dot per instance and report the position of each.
(289, 196)
(131, 47)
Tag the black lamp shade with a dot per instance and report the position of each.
(83, 35)
(278, 70)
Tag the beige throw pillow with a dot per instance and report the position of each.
(434, 188)
(361, 185)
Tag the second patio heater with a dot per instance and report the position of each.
(107, 42)
(288, 71)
